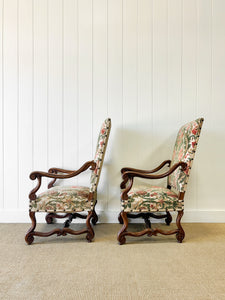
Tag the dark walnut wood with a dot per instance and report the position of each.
(128, 175)
(123, 170)
(91, 216)
(29, 238)
(148, 231)
(51, 216)
(52, 174)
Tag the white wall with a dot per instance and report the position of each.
(149, 65)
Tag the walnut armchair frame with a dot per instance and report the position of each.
(69, 201)
(53, 173)
(128, 175)
(150, 199)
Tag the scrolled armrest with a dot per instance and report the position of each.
(129, 176)
(123, 170)
(58, 170)
(53, 174)
(127, 169)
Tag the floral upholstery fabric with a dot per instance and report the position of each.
(184, 150)
(151, 198)
(63, 199)
(100, 153)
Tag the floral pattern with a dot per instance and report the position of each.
(100, 153)
(63, 199)
(151, 198)
(184, 150)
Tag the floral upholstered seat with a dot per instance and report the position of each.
(70, 200)
(152, 198)
(147, 200)
(63, 199)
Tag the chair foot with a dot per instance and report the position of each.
(121, 234)
(90, 232)
(168, 219)
(120, 219)
(180, 234)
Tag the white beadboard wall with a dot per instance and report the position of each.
(151, 66)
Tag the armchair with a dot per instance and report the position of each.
(70, 200)
(146, 201)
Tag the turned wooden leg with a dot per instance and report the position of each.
(29, 236)
(120, 219)
(90, 234)
(180, 234)
(121, 235)
(168, 219)
(94, 219)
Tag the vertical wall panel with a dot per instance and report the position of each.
(189, 79)
(25, 87)
(40, 85)
(99, 73)
(70, 87)
(115, 99)
(55, 82)
(130, 60)
(204, 100)
(130, 79)
(10, 73)
(175, 13)
(189, 67)
(1, 108)
(143, 141)
(85, 84)
(218, 92)
(160, 83)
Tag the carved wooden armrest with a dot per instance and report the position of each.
(59, 170)
(123, 170)
(53, 174)
(129, 176)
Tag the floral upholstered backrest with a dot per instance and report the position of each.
(100, 153)
(184, 151)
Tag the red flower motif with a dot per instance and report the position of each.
(193, 144)
(141, 193)
(102, 131)
(194, 131)
(154, 194)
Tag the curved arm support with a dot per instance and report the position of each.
(38, 175)
(56, 170)
(32, 195)
(129, 175)
(123, 170)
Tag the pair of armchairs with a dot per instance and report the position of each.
(144, 202)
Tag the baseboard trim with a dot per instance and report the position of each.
(190, 216)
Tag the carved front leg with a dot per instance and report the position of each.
(94, 219)
(121, 235)
(29, 238)
(180, 234)
(90, 234)
(120, 219)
